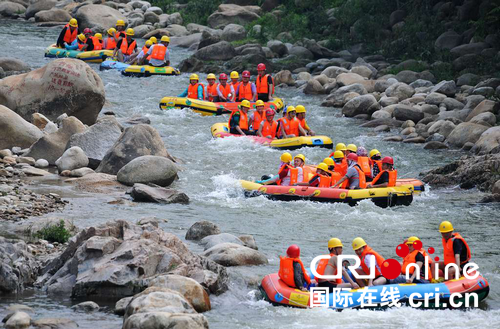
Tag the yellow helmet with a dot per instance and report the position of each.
(301, 157)
(165, 38)
(300, 109)
(445, 227)
(358, 243)
(334, 243)
(352, 148)
(111, 31)
(322, 166)
(279, 103)
(328, 161)
(259, 103)
(73, 22)
(120, 22)
(374, 152)
(129, 32)
(412, 239)
(286, 157)
(338, 155)
(212, 76)
(244, 103)
(149, 43)
(82, 37)
(194, 77)
(234, 75)
(340, 147)
(98, 36)
(153, 40)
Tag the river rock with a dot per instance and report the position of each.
(151, 17)
(233, 32)
(400, 90)
(468, 79)
(301, 52)
(483, 107)
(443, 127)
(489, 142)
(364, 104)
(448, 40)
(420, 83)
(407, 76)
(447, 88)
(346, 79)
(13, 64)
(213, 240)
(220, 51)
(362, 71)
(151, 320)
(63, 86)
(146, 169)
(121, 305)
(471, 48)
(54, 323)
(313, 86)
(18, 266)
(231, 254)
(191, 290)
(11, 9)
(134, 142)
(496, 187)
(99, 17)
(486, 118)
(18, 320)
(86, 307)
(16, 131)
(334, 71)
(337, 98)
(492, 82)
(72, 158)
(284, 76)
(404, 112)
(199, 230)
(145, 193)
(36, 6)
(465, 132)
(452, 104)
(434, 145)
(230, 13)
(41, 163)
(381, 114)
(277, 47)
(52, 146)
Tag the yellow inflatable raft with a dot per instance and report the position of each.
(148, 70)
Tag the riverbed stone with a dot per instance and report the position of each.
(483, 107)
(11, 9)
(15, 130)
(213, 240)
(18, 266)
(230, 13)
(231, 254)
(448, 88)
(98, 16)
(54, 323)
(284, 76)
(334, 71)
(488, 142)
(346, 79)
(72, 158)
(145, 193)
(87, 307)
(364, 104)
(487, 118)
(18, 320)
(442, 127)
(165, 320)
(201, 229)
(465, 132)
(147, 169)
(37, 6)
(122, 304)
(220, 51)
(400, 90)
(405, 112)
(435, 98)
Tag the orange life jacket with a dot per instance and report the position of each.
(291, 126)
(243, 124)
(364, 163)
(211, 92)
(159, 52)
(110, 43)
(341, 168)
(245, 91)
(97, 43)
(70, 36)
(393, 176)
(449, 255)
(257, 119)
(262, 84)
(193, 91)
(294, 175)
(325, 181)
(303, 123)
(362, 178)
(410, 259)
(235, 85)
(225, 91)
(269, 129)
(145, 49)
(322, 267)
(286, 271)
(283, 167)
(376, 163)
(308, 173)
(126, 48)
(81, 44)
(378, 261)
(335, 177)
(118, 33)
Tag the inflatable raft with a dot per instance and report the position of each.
(382, 197)
(220, 130)
(96, 56)
(137, 70)
(277, 292)
(207, 108)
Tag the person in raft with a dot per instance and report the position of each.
(290, 125)
(257, 116)
(455, 249)
(289, 174)
(329, 267)
(225, 91)
(120, 30)
(125, 47)
(195, 90)
(387, 177)
(238, 120)
(246, 89)
(138, 58)
(158, 55)
(109, 42)
(235, 80)
(268, 127)
(320, 179)
(94, 42)
(301, 116)
(68, 34)
(375, 162)
(416, 256)
(264, 83)
(292, 271)
(368, 258)
(355, 176)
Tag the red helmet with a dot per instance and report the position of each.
(293, 251)
(269, 112)
(245, 74)
(87, 31)
(261, 67)
(388, 160)
(223, 76)
(352, 156)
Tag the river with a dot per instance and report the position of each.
(211, 169)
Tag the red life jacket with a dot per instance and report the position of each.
(393, 175)
(70, 36)
(378, 261)
(193, 91)
(269, 129)
(286, 271)
(263, 86)
(449, 255)
(125, 48)
(411, 259)
(322, 267)
(159, 52)
(243, 124)
(110, 43)
(245, 91)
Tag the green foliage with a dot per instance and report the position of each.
(54, 233)
(194, 11)
(245, 41)
(490, 22)
(417, 67)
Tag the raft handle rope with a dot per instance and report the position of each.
(289, 300)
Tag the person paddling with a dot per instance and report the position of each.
(292, 271)
(68, 34)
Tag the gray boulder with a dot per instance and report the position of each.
(285, 77)
(230, 13)
(442, 127)
(334, 71)
(213, 240)
(313, 86)
(489, 142)
(404, 112)
(97, 16)
(199, 230)
(53, 15)
(364, 104)
(448, 40)
(448, 88)
(16, 131)
(231, 254)
(466, 132)
(18, 266)
(145, 193)
(87, 307)
(468, 79)
(435, 98)
(72, 158)
(469, 49)
(483, 107)
(220, 51)
(486, 118)
(400, 90)
(233, 32)
(301, 52)
(148, 169)
(36, 6)
(277, 47)
(149, 320)
(11, 9)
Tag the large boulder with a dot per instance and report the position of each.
(313, 86)
(231, 254)
(469, 49)
(442, 127)
(72, 158)
(483, 107)
(153, 320)
(63, 86)
(9, 64)
(144, 193)
(466, 132)
(134, 142)
(448, 40)
(334, 71)
(285, 77)
(233, 32)
(448, 88)
(113, 259)
(39, 5)
(213, 240)
(18, 320)
(11, 9)
(147, 169)
(53, 15)
(301, 52)
(337, 98)
(405, 112)
(98, 17)
(228, 13)
(98, 139)
(52, 146)
(18, 267)
(277, 47)
(220, 51)
(489, 142)
(364, 104)
(16, 131)
(346, 79)
(408, 77)
(400, 90)
(199, 230)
